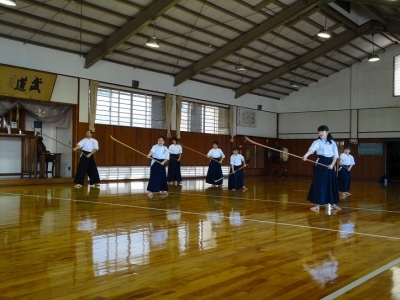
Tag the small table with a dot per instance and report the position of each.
(57, 164)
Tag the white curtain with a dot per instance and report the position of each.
(94, 86)
(168, 112)
(178, 116)
(232, 109)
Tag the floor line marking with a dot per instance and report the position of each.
(289, 202)
(361, 280)
(225, 217)
(260, 200)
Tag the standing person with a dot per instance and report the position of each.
(87, 164)
(236, 180)
(214, 173)
(158, 177)
(346, 164)
(323, 189)
(174, 166)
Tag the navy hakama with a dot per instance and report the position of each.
(87, 166)
(214, 173)
(323, 189)
(158, 178)
(174, 168)
(236, 181)
(344, 179)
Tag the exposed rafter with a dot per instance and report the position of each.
(339, 41)
(377, 2)
(296, 9)
(262, 4)
(130, 28)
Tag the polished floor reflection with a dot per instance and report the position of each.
(199, 242)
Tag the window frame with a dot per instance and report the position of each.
(206, 109)
(396, 71)
(134, 115)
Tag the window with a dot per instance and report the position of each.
(124, 108)
(397, 75)
(198, 117)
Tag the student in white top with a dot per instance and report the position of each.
(158, 176)
(174, 166)
(214, 173)
(346, 164)
(235, 180)
(323, 189)
(87, 164)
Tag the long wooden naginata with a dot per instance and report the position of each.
(114, 139)
(40, 133)
(242, 167)
(199, 152)
(261, 145)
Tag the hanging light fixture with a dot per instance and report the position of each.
(324, 32)
(153, 42)
(8, 2)
(294, 84)
(239, 66)
(373, 56)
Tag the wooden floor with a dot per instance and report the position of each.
(112, 242)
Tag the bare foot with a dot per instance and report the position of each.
(315, 208)
(347, 194)
(78, 186)
(150, 195)
(165, 193)
(334, 206)
(244, 188)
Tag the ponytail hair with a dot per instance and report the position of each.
(329, 138)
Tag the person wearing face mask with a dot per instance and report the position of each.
(323, 189)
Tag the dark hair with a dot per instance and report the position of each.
(175, 139)
(235, 148)
(216, 143)
(40, 139)
(91, 132)
(329, 138)
(161, 137)
(347, 147)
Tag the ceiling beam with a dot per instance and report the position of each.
(377, 2)
(157, 8)
(262, 4)
(393, 28)
(296, 9)
(339, 41)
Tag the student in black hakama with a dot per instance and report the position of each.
(344, 179)
(214, 173)
(158, 177)
(236, 180)
(323, 189)
(87, 164)
(174, 165)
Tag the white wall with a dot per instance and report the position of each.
(356, 102)
(337, 101)
(266, 125)
(71, 66)
(38, 58)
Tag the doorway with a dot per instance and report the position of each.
(393, 158)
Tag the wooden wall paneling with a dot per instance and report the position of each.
(367, 167)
